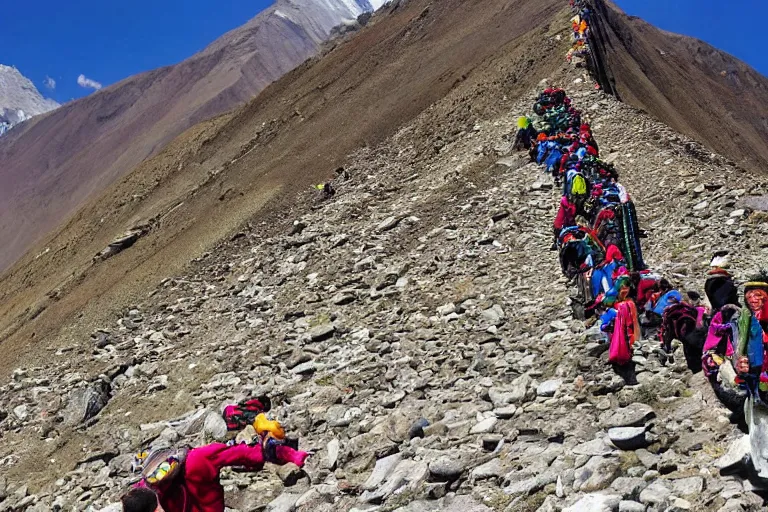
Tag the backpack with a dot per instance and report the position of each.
(244, 413)
(684, 322)
(161, 465)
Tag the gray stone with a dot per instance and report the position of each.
(20, 411)
(735, 454)
(593, 447)
(527, 484)
(679, 505)
(446, 309)
(322, 332)
(629, 438)
(306, 368)
(381, 470)
(494, 315)
(485, 426)
(447, 468)
(289, 474)
(388, 224)
(215, 427)
(333, 453)
(596, 474)
(596, 502)
(283, 503)
(549, 387)
(688, 486)
(629, 488)
(657, 493)
(634, 415)
(86, 403)
(631, 506)
(491, 469)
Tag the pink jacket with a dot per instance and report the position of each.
(718, 329)
(198, 489)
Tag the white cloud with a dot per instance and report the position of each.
(82, 81)
(49, 83)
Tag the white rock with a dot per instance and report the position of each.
(484, 426)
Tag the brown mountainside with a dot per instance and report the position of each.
(249, 164)
(50, 165)
(686, 83)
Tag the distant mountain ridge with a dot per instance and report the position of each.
(48, 167)
(19, 99)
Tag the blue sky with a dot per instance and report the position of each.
(108, 41)
(736, 26)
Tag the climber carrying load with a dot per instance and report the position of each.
(187, 480)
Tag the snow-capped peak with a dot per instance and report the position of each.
(19, 99)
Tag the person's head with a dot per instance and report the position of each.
(664, 285)
(140, 499)
(694, 298)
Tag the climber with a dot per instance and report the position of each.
(626, 330)
(753, 328)
(717, 361)
(327, 190)
(657, 302)
(720, 288)
(566, 217)
(188, 480)
(526, 134)
(686, 321)
(602, 276)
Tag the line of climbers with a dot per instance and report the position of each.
(187, 479)
(598, 238)
(580, 51)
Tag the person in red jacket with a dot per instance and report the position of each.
(566, 216)
(189, 481)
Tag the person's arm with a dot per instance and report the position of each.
(220, 455)
(250, 457)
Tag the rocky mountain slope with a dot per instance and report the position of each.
(19, 99)
(413, 332)
(423, 291)
(53, 164)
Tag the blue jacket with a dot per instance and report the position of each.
(666, 300)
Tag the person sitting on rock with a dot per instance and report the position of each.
(188, 480)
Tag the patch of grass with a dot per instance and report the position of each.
(319, 319)
(532, 502)
(498, 500)
(399, 500)
(326, 380)
(647, 394)
(628, 460)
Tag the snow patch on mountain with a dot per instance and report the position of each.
(19, 99)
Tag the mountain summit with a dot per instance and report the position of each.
(19, 99)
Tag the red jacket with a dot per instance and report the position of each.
(198, 489)
(566, 215)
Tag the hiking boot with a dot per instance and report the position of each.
(553, 247)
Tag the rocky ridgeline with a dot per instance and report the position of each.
(414, 332)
